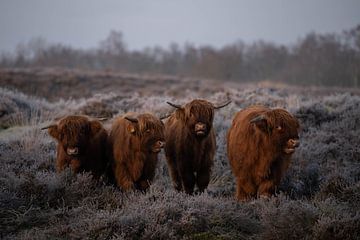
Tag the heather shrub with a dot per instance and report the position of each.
(287, 219)
(317, 199)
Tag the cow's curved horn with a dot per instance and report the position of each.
(99, 119)
(134, 120)
(165, 116)
(49, 126)
(174, 105)
(257, 119)
(102, 119)
(222, 105)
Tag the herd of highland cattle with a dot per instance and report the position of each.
(260, 143)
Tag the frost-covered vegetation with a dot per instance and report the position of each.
(319, 197)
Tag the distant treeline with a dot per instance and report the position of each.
(317, 59)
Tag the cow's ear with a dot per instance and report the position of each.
(53, 130)
(132, 122)
(131, 128)
(95, 127)
(163, 117)
(261, 122)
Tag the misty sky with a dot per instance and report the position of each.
(84, 23)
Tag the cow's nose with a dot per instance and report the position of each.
(161, 144)
(72, 150)
(200, 126)
(294, 142)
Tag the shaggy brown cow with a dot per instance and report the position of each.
(260, 143)
(135, 142)
(81, 145)
(190, 144)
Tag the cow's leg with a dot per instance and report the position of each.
(188, 181)
(203, 179)
(266, 188)
(61, 160)
(123, 178)
(268, 185)
(245, 189)
(60, 165)
(175, 176)
(75, 165)
(173, 168)
(142, 185)
(279, 170)
(148, 174)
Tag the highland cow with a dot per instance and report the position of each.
(134, 144)
(260, 143)
(81, 145)
(190, 144)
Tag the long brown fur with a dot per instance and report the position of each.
(131, 150)
(187, 153)
(89, 136)
(256, 150)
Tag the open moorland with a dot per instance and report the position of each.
(319, 197)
